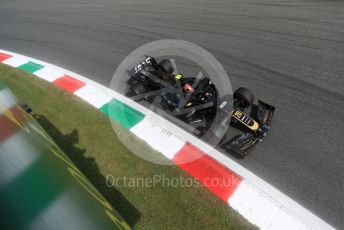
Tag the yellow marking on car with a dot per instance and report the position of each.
(178, 76)
(246, 120)
(238, 114)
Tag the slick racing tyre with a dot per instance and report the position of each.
(166, 66)
(137, 88)
(245, 96)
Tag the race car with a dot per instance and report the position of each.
(197, 103)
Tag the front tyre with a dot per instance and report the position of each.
(244, 96)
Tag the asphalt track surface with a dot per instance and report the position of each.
(290, 53)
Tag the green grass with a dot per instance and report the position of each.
(87, 137)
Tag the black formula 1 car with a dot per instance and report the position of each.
(196, 105)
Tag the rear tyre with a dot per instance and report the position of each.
(245, 97)
(166, 66)
(137, 88)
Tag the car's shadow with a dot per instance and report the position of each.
(89, 167)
